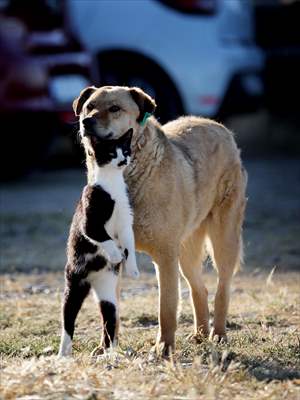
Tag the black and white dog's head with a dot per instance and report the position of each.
(112, 152)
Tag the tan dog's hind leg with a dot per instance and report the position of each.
(167, 274)
(191, 256)
(224, 231)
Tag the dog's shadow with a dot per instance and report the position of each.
(269, 370)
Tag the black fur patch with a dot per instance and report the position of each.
(121, 163)
(84, 246)
(116, 268)
(78, 246)
(75, 292)
(95, 264)
(108, 311)
(97, 207)
(126, 253)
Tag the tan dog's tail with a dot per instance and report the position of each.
(224, 242)
(237, 266)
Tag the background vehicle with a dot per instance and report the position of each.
(42, 70)
(194, 57)
(215, 58)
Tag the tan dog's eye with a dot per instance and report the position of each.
(90, 106)
(114, 109)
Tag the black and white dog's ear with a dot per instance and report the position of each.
(145, 103)
(128, 136)
(82, 98)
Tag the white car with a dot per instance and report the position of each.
(195, 57)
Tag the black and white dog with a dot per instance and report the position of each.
(101, 239)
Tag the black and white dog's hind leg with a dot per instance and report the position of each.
(75, 292)
(105, 286)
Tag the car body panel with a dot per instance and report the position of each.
(199, 53)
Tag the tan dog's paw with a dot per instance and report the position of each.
(162, 350)
(217, 337)
(198, 337)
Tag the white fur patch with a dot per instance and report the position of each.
(104, 284)
(65, 348)
(111, 251)
(131, 269)
(119, 225)
(126, 239)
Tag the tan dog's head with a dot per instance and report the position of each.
(110, 111)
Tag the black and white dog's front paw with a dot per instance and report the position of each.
(112, 253)
(131, 268)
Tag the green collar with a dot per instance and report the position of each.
(144, 120)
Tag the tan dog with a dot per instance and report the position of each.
(187, 188)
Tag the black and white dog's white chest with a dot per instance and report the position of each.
(117, 211)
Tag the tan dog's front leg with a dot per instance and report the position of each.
(167, 274)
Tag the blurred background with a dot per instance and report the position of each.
(236, 61)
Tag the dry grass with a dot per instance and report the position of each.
(260, 361)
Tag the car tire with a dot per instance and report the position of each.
(126, 71)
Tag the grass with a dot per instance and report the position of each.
(260, 361)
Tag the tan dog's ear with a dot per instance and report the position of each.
(145, 103)
(82, 98)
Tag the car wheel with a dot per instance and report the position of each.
(149, 78)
